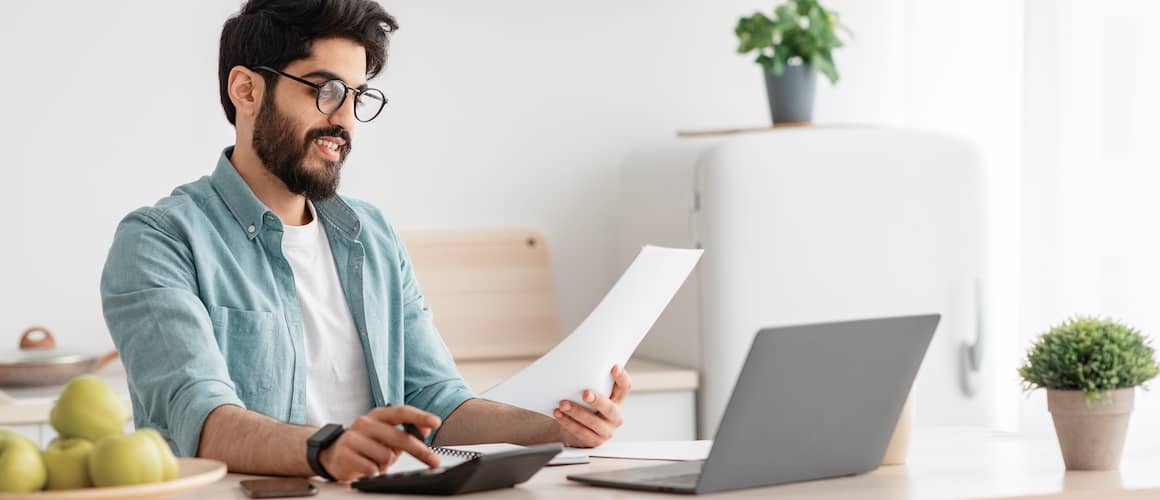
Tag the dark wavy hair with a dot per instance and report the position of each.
(277, 32)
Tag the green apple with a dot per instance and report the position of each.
(125, 460)
(67, 460)
(168, 461)
(21, 466)
(89, 409)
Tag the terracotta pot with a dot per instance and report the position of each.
(1091, 434)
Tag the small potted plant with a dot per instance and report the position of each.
(1090, 368)
(792, 47)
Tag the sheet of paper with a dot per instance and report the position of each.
(653, 450)
(486, 448)
(407, 463)
(606, 337)
(568, 456)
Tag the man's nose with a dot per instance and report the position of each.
(344, 115)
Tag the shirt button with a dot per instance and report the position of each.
(251, 228)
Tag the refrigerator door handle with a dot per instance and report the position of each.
(971, 360)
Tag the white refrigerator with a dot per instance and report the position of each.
(817, 224)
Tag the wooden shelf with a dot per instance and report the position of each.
(764, 128)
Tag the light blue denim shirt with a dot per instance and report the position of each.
(201, 304)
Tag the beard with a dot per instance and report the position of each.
(277, 145)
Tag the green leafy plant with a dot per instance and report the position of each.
(1089, 354)
(799, 29)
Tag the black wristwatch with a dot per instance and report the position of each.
(319, 441)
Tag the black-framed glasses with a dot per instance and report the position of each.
(331, 95)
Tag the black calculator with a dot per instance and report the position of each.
(483, 472)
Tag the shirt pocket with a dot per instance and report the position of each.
(254, 352)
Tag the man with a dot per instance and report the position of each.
(254, 306)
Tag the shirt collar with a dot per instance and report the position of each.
(252, 215)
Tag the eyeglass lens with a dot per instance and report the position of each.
(367, 106)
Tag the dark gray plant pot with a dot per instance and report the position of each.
(791, 95)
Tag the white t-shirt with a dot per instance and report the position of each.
(337, 383)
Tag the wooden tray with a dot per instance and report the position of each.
(192, 473)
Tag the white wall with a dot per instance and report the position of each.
(1090, 239)
(505, 112)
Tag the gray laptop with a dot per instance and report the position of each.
(812, 401)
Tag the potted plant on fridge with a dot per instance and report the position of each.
(1090, 368)
(792, 47)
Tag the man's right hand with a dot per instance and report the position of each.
(373, 443)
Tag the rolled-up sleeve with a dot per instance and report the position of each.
(432, 382)
(149, 294)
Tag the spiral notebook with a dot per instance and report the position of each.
(450, 456)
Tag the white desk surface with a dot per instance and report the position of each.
(944, 464)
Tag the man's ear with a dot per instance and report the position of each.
(245, 89)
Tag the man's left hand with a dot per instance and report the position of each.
(584, 428)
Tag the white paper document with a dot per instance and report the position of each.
(408, 463)
(567, 456)
(653, 450)
(607, 337)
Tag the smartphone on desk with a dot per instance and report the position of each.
(279, 487)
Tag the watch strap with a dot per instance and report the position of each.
(321, 440)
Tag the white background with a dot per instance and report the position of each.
(505, 112)
(520, 112)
